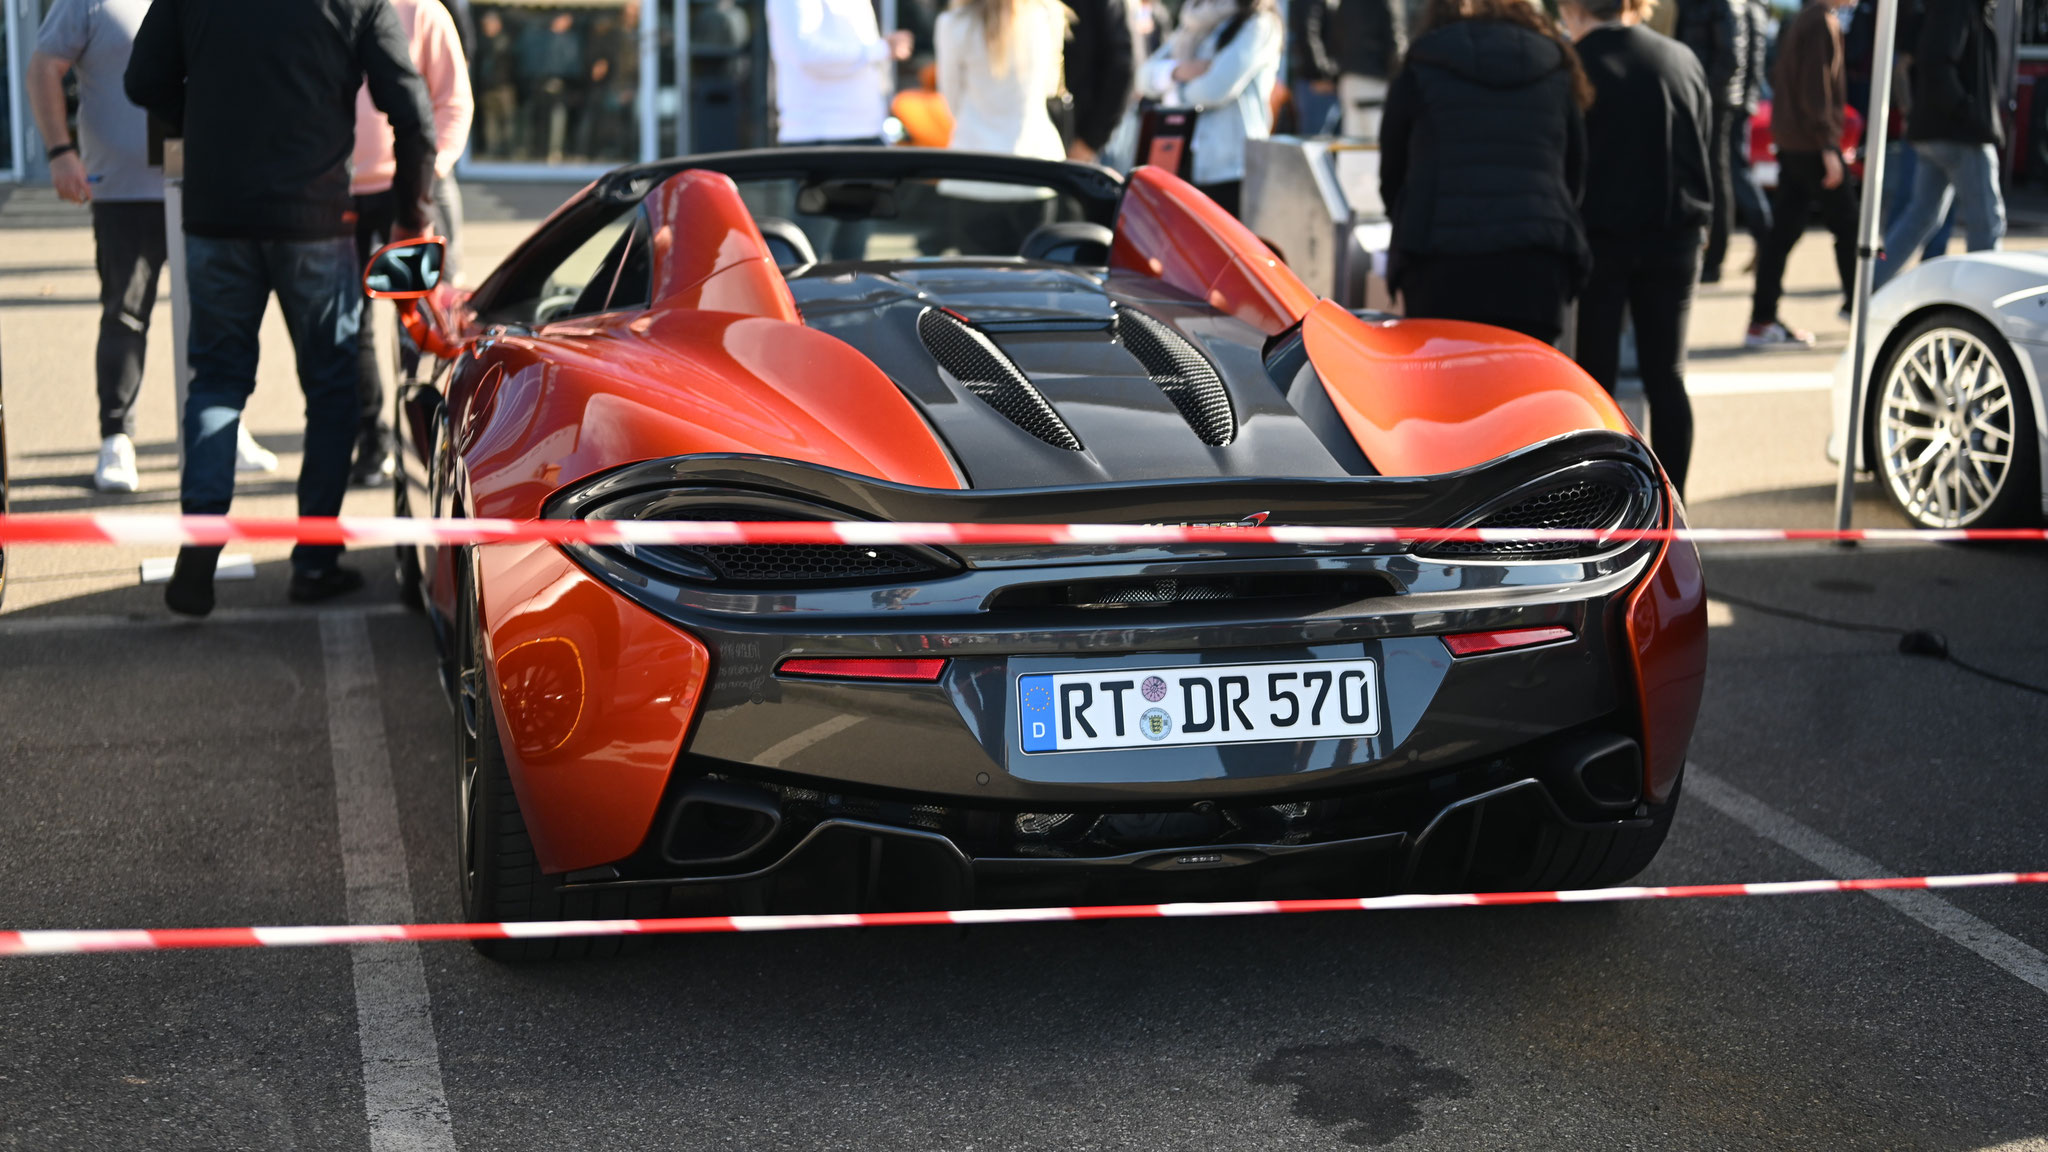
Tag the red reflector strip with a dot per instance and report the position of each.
(1480, 643)
(864, 668)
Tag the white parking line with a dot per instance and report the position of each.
(1754, 383)
(25, 625)
(403, 1096)
(2015, 956)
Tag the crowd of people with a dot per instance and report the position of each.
(1560, 175)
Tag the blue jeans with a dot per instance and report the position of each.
(1901, 168)
(1316, 111)
(1947, 172)
(317, 286)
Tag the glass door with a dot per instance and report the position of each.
(559, 86)
(720, 47)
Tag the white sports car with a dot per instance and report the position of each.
(1958, 349)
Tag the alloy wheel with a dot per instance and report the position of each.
(1945, 428)
(469, 760)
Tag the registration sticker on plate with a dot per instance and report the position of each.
(1197, 704)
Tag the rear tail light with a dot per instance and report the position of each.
(1480, 643)
(910, 670)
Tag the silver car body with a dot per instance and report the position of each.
(2007, 289)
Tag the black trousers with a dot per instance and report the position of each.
(1527, 290)
(1650, 279)
(1229, 194)
(1721, 178)
(1799, 189)
(128, 242)
(374, 216)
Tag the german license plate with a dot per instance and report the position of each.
(1197, 704)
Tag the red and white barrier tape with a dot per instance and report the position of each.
(51, 943)
(180, 530)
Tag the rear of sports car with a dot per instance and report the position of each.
(896, 726)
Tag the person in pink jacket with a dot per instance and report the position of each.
(437, 54)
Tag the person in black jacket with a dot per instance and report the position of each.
(1482, 156)
(263, 93)
(1647, 203)
(1312, 66)
(1101, 72)
(1954, 127)
(1369, 38)
(1729, 44)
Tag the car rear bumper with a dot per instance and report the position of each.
(850, 850)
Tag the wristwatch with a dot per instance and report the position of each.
(59, 150)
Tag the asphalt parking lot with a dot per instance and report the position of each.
(275, 765)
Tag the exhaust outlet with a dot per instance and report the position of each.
(1598, 771)
(719, 821)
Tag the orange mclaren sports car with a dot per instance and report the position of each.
(900, 334)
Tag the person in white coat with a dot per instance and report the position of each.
(1000, 62)
(833, 72)
(1224, 58)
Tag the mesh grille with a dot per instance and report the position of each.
(806, 563)
(985, 371)
(1183, 374)
(1577, 504)
(794, 564)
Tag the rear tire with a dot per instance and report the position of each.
(405, 558)
(500, 874)
(1516, 843)
(1605, 857)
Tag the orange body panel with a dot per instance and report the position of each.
(595, 698)
(1423, 397)
(1667, 634)
(1168, 230)
(639, 386)
(709, 255)
(595, 695)
(721, 363)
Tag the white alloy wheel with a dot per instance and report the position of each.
(1946, 428)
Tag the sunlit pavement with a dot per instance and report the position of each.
(156, 773)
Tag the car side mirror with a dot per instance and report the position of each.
(405, 270)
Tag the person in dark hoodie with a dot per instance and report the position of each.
(1729, 42)
(1809, 102)
(1482, 158)
(263, 92)
(1954, 127)
(1648, 200)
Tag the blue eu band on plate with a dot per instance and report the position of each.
(1203, 704)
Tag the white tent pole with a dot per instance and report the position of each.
(647, 99)
(685, 143)
(1869, 240)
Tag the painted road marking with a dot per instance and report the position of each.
(1755, 383)
(22, 624)
(403, 1096)
(2015, 956)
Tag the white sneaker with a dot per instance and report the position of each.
(1776, 335)
(251, 456)
(116, 471)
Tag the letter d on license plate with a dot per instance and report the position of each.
(1197, 704)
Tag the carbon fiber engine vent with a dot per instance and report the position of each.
(1584, 502)
(978, 364)
(1184, 374)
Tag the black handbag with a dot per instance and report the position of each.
(1060, 108)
